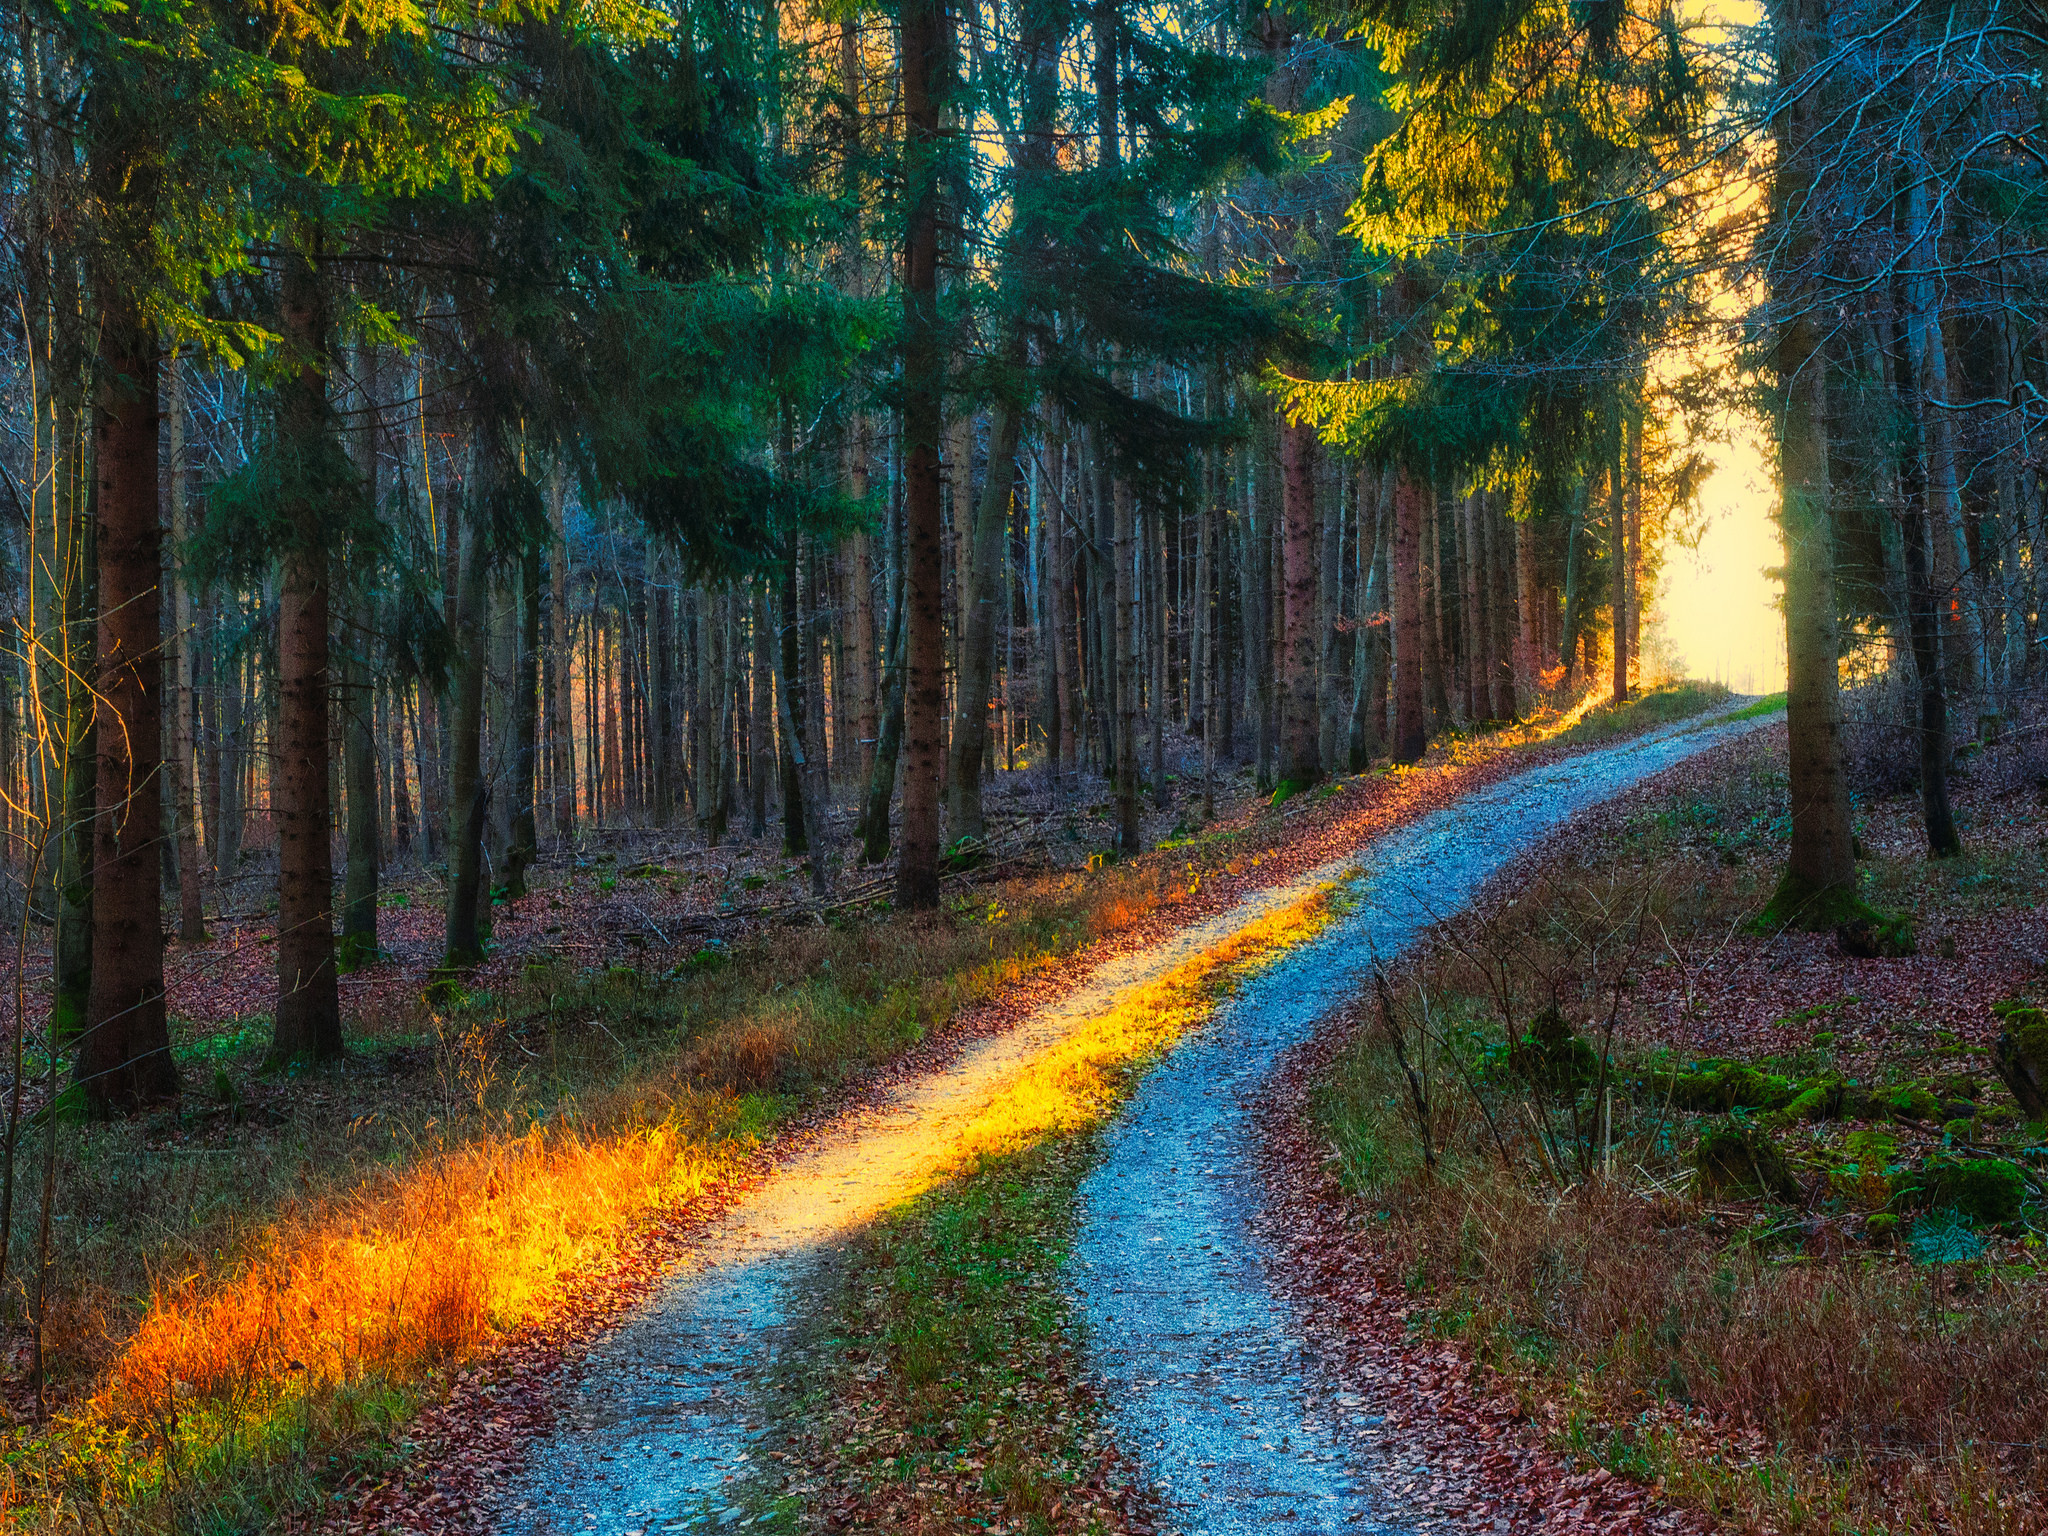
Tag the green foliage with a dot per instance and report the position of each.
(1744, 1161)
(1984, 1190)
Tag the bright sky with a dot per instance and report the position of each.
(1718, 610)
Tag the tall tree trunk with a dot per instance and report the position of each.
(881, 785)
(1301, 762)
(1435, 685)
(1617, 522)
(1123, 554)
(124, 1050)
(234, 742)
(1923, 621)
(469, 787)
(1501, 609)
(1478, 684)
(1820, 875)
(980, 603)
(760, 714)
(358, 944)
(927, 83)
(1411, 729)
(523, 847)
(308, 1019)
(183, 778)
(789, 676)
(560, 647)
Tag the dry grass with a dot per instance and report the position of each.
(259, 1289)
(1774, 1364)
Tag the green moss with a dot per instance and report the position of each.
(1879, 936)
(1552, 1055)
(1743, 1161)
(1984, 1189)
(1715, 1087)
(1882, 1227)
(1909, 1103)
(1800, 905)
(1818, 1098)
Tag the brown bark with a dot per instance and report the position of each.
(1821, 871)
(562, 710)
(1411, 731)
(191, 913)
(980, 607)
(927, 76)
(1301, 762)
(124, 1049)
(1500, 609)
(308, 1020)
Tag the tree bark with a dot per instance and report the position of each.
(1501, 610)
(124, 1050)
(1820, 875)
(523, 847)
(469, 788)
(980, 604)
(927, 80)
(358, 944)
(183, 778)
(1411, 729)
(1301, 762)
(308, 1019)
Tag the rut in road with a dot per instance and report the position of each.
(658, 1432)
(1208, 1382)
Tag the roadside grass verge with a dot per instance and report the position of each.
(257, 1291)
(1804, 1291)
(1646, 710)
(942, 1388)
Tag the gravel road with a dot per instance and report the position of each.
(657, 1433)
(1207, 1378)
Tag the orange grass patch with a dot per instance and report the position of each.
(416, 1268)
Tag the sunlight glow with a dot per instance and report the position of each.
(1717, 610)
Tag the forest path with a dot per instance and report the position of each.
(660, 1427)
(662, 1420)
(1208, 1381)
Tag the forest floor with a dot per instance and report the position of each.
(1747, 1232)
(250, 1299)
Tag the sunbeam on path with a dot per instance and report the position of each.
(1205, 1375)
(660, 1427)
(658, 1433)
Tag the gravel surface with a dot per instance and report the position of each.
(1208, 1380)
(656, 1434)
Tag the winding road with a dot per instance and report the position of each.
(1206, 1378)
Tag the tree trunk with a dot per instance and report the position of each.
(1300, 758)
(1820, 876)
(124, 1050)
(1411, 730)
(927, 82)
(524, 727)
(469, 788)
(881, 785)
(980, 603)
(183, 778)
(1501, 610)
(358, 944)
(1478, 685)
(1923, 621)
(308, 1020)
(562, 650)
